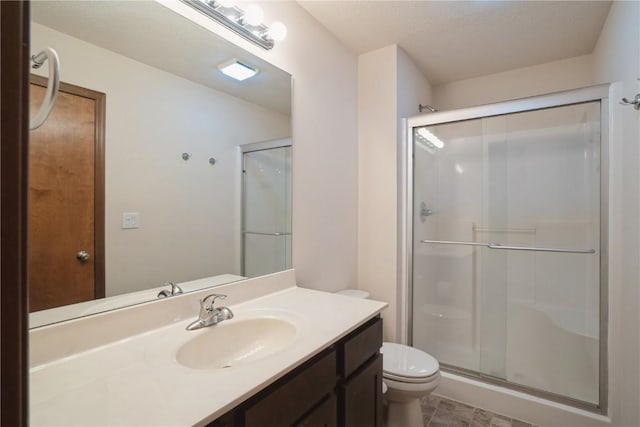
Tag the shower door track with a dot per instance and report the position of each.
(598, 93)
(490, 379)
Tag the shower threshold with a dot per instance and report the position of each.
(497, 381)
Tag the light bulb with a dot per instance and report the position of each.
(277, 31)
(253, 15)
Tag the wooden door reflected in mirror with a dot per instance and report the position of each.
(66, 199)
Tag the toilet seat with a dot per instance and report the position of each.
(409, 380)
(407, 364)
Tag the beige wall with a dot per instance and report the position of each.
(325, 136)
(538, 79)
(377, 135)
(186, 208)
(390, 87)
(617, 59)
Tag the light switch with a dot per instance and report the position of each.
(130, 220)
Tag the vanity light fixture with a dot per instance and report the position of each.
(246, 23)
(237, 69)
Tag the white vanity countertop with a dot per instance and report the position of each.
(138, 381)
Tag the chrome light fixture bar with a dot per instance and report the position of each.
(232, 18)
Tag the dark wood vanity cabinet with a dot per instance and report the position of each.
(359, 389)
(360, 397)
(340, 387)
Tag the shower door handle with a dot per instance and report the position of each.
(511, 248)
(277, 233)
(536, 249)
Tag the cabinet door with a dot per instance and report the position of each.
(325, 415)
(289, 400)
(361, 397)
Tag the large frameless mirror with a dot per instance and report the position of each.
(135, 179)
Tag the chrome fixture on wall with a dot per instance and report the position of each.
(246, 23)
(425, 212)
(426, 107)
(635, 102)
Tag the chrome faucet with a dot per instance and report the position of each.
(175, 290)
(209, 315)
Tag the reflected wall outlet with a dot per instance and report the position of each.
(130, 220)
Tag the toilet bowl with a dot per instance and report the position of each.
(409, 374)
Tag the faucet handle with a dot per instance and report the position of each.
(208, 301)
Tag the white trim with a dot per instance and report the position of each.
(591, 93)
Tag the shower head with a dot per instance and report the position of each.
(426, 107)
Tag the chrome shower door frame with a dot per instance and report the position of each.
(405, 228)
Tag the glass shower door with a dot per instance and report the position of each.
(506, 248)
(266, 235)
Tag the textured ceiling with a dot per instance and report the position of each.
(154, 35)
(456, 40)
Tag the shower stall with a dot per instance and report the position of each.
(506, 243)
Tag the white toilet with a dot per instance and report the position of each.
(409, 374)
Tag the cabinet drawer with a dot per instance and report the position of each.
(325, 415)
(361, 346)
(289, 401)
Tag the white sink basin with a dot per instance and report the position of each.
(236, 342)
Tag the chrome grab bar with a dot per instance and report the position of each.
(277, 233)
(512, 248)
(52, 86)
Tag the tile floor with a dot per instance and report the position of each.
(439, 412)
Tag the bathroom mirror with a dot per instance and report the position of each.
(146, 142)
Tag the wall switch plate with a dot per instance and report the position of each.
(130, 220)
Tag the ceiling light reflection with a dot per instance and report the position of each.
(430, 138)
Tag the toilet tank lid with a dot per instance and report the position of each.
(357, 293)
(405, 361)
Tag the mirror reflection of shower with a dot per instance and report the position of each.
(266, 207)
